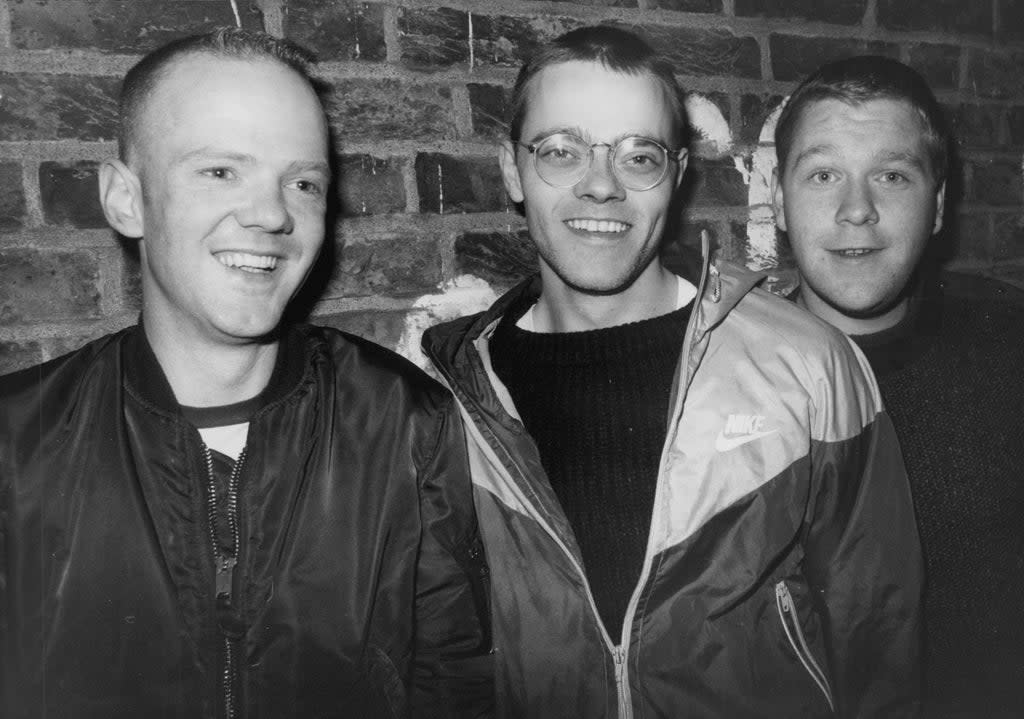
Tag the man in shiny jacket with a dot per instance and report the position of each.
(691, 501)
(215, 514)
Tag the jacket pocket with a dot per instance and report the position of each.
(791, 625)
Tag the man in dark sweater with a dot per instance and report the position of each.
(860, 190)
(681, 486)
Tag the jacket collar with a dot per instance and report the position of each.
(145, 377)
(721, 286)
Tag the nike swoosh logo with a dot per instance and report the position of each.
(724, 444)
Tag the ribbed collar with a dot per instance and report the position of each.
(610, 344)
(146, 377)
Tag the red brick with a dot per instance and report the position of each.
(58, 107)
(698, 52)
(1011, 20)
(754, 110)
(389, 265)
(12, 197)
(458, 184)
(995, 182)
(121, 26)
(938, 64)
(337, 31)
(390, 110)
(706, 6)
(976, 125)
(995, 74)
(958, 16)
(601, 3)
(500, 258)
(489, 106)
(69, 194)
(434, 38)
(715, 183)
(19, 355)
(369, 185)
(440, 37)
(794, 57)
(1015, 120)
(1008, 236)
(838, 12)
(383, 327)
(52, 285)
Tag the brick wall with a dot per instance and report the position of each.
(417, 95)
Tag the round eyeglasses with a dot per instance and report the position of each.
(563, 159)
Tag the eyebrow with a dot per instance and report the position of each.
(587, 136)
(244, 158)
(902, 156)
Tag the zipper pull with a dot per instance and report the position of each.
(229, 621)
(784, 597)
(225, 575)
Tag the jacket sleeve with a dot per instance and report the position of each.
(453, 667)
(863, 556)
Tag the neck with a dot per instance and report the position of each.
(854, 325)
(207, 374)
(565, 309)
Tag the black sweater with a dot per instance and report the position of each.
(952, 379)
(596, 403)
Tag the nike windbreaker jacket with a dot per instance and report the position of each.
(783, 572)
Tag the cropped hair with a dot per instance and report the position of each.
(860, 79)
(226, 42)
(616, 49)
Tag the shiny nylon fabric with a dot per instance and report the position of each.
(706, 638)
(107, 582)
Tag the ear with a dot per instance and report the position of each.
(778, 206)
(510, 171)
(683, 156)
(121, 197)
(940, 206)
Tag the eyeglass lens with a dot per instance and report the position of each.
(638, 163)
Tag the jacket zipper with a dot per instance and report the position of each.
(786, 607)
(225, 566)
(709, 274)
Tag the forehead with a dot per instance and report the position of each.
(876, 127)
(601, 102)
(203, 99)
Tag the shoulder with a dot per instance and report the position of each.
(785, 340)
(979, 306)
(59, 375)
(764, 316)
(370, 369)
(57, 394)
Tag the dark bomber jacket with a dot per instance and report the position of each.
(783, 571)
(358, 561)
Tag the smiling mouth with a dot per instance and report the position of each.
(246, 262)
(858, 252)
(602, 226)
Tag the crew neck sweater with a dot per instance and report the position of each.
(596, 403)
(951, 375)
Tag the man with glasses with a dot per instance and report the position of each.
(691, 501)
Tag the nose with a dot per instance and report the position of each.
(266, 209)
(599, 184)
(857, 205)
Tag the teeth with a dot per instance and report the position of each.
(598, 225)
(247, 262)
(854, 253)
